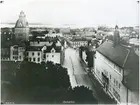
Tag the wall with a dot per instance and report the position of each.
(14, 56)
(84, 57)
(21, 51)
(54, 57)
(79, 43)
(113, 73)
(133, 97)
(22, 33)
(36, 56)
(40, 43)
(5, 54)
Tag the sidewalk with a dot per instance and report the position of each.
(104, 96)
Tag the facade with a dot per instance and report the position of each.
(34, 54)
(45, 53)
(53, 35)
(17, 53)
(117, 69)
(6, 34)
(76, 43)
(5, 54)
(22, 28)
(40, 43)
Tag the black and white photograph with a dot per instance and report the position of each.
(69, 52)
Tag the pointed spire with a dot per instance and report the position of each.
(116, 39)
(22, 14)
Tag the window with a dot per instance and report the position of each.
(47, 55)
(119, 85)
(27, 53)
(30, 59)
(119, 69)
(33, 59)
(38, 53)
(15, 52)
(114, 82)
(16, 57)
(52, 55)
(19, 57)
(38, 59)
(13, 57)
(110, 76)
(44, 56)
(116, 94)
(53, 51)
(33, 54)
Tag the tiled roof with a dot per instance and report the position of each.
(125, 58)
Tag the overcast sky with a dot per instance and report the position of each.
(78, 12)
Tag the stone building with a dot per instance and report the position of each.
(22, 28)
(117, 69)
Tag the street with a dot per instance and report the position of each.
(78, 76)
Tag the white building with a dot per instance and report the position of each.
(117, 69)
(54, 35)
(76, 43)
(17, 53)
(46, 53)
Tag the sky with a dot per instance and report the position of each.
(72, 12)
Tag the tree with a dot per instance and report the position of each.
(81, 95)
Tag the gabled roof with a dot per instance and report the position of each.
(125, 58)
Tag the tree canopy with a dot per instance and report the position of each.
(45, 83)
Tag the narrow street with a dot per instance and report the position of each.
(78, 76)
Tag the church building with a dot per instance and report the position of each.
(21, 28)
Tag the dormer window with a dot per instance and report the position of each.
(53, 50)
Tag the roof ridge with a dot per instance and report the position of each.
(126, 57)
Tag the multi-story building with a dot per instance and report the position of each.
(45, 53)
(40, 43)
(117, 68)
(22, 28)
(7, 34)
(54, 35)
(76, 43)
(17, 53)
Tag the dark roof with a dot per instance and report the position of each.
(57, 49)
(79, 39)
(39, 48)
(123, 57)
(34, 48)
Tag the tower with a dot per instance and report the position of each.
(116, 38)
(21, 28)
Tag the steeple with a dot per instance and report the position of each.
(21, 28)
(116, 38)
(22, 14)
(21, 22)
